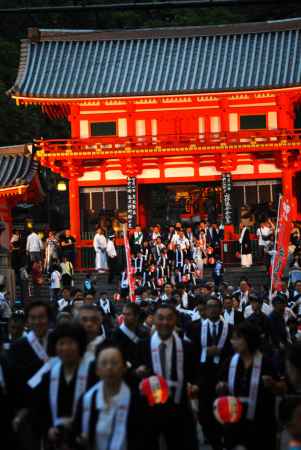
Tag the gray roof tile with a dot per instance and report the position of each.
(181, 60)
(16, 170)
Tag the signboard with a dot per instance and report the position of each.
(283, 234)
(227, 198)
(130, 269)
(132, 202)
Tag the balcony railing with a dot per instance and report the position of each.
(106, 147)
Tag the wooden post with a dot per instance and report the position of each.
(287, 190)
(75, 216)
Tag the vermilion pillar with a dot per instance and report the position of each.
(287, 190)
(285, 112)
(74, 208)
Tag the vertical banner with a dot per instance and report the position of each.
(132, 202)
(282, 238)
(227, 198)
(130, 269)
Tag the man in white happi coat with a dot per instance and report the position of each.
(100, 245)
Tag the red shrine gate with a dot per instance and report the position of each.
(188, 108)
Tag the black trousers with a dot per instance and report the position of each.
(177, 426)
(211, 427)
(113, 268)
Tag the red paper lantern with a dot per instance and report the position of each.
(227, 409)
(155, 389)
(120, 319)
(211, 260)
(116, 297)
(160, 281)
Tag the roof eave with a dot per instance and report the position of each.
(23, 62)
(37, 35)
(132, 95)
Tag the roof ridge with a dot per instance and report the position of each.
(36, 34)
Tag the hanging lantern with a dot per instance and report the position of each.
(227, 409)
(61, 186)
(29, 223)
(155, 389)
(211, 260)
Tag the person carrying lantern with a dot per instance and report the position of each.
(166, 355)
(251, 377)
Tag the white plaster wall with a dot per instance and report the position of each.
(91, 176)
(179, 172)
(84, 129)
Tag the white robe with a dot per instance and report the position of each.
(100, 245)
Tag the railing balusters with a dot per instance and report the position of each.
(207, 139)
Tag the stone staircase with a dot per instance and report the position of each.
(256, 275)
(232, 275)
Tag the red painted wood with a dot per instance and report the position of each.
(178, 135)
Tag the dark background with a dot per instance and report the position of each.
(23, 124)
(20, 124)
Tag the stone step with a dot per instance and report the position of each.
(232, 275)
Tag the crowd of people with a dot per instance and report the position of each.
(73, 370)
(51, 258)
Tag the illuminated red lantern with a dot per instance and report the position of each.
(120, 319)
(116, 297)
(211, 260)
(210, 250)
(227, 409)
(155, 389)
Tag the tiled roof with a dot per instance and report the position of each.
(16, 170)
(87, 64)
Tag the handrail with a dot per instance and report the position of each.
(184, 141)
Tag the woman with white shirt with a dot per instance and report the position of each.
(110, 414)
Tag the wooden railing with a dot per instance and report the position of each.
(107, 147)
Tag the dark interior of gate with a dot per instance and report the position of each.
(165, 204)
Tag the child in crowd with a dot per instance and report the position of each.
(55, 284)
